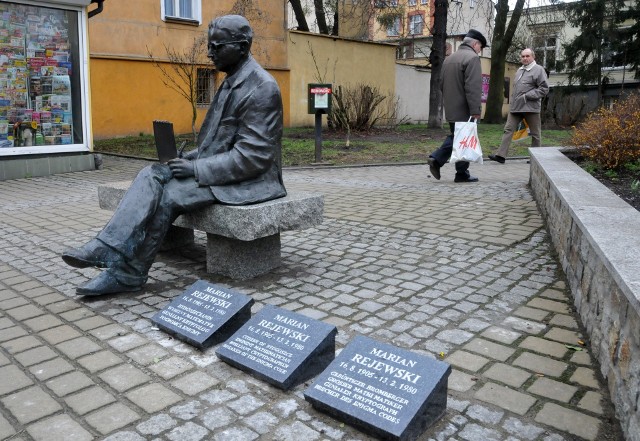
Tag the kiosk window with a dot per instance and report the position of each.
(40, 89)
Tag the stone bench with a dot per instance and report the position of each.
(242, 241)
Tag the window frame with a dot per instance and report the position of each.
(204, 95)
(196, 12)
(412, 24)
(395, 30)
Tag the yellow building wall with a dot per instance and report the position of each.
(338, 61)
(126, 89)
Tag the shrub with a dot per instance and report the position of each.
(360, 107)
(610, 137)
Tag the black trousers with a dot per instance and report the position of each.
(444, 152)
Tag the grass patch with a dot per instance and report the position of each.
(406, 143)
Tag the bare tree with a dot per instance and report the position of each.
(436, 58)
(299, 13)
(180, 73)
(502, 37)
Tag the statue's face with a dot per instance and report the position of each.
(225, 52)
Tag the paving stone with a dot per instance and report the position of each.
(89, 323)
(43, 322)
(69, 383)
(461, 381)
(264, 422)
(77, 314)
(35, 356)
(21, 344)
(195, 383)
(507, 374)
(25, 312)
(293, 432)
(108, 332)
(501, 335)
(148, 354)
(218, 418)
(110, 418)
(125, 436)
(124, 377)
(531, 313)
(505, 398)
(528, 326)
(543, 346)
(51, 368)
(466, 360)
(592, 401)
(6, 429)
(489, 349)
(522, 430)
(581, 357)
(475, 432)
(187, 432)
(59, 428)
(549, 305)
(156, 425)
(246, 404)
(30, 405)
(563, 320)
(484, 415)
(153, 397)
(59, 334)
(455, 336)
(568, 420)
(127, 342)
(555, 390)
(12, 379)
(99, 361)
(188, 410)
(171, 367)
(12, 333)
(563, 336)
(585, 377)
(89, 400)
(78, 347)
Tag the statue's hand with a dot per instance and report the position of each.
(181, 168)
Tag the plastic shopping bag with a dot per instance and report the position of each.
(522, 131)
(466, 145)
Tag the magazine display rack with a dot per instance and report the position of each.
(35, 76)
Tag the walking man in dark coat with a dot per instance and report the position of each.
(462, 92)
(237, 162)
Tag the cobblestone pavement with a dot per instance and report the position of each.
(463, 272)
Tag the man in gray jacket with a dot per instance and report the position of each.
(526, 100)
(462, 92)
(237, 162)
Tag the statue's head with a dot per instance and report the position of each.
(229, 42)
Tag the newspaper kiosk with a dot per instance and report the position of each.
(44, 98)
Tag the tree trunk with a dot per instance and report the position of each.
(320, 17)
(502, 37)
(436, 58)
(299, 13)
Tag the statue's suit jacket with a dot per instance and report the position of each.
(239, 145)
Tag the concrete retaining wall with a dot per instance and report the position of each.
(597, 237)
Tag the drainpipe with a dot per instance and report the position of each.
(97, 10)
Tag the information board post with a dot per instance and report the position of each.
(319, 99)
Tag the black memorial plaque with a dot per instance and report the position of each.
(384, 390)
(204, 314)
(280, 347)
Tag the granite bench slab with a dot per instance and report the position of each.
(243, 241)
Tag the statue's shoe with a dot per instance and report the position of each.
(93, 253)
(105, 283)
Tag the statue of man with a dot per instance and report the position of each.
(237, 162)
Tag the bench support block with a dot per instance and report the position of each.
(241, 260)
(177, 237)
